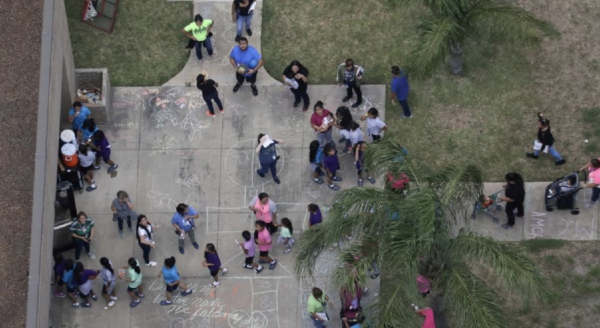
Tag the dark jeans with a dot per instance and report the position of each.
(404, 104)
(146, 249)
(79, 244)
(240, 78)
(353, 86)
(264, 168)
(120, 222)
(208, 99)
(510, 208)
(207, 44)
(303, 95)
(595, 194)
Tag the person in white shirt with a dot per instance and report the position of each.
(86, 165)
(375, 126)
(353, 136)
(144, 237)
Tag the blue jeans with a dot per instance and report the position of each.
(79, 245)
(208, 99)
(595, 194)
(264, 168)
(318, 324)
(207, 44)
(244, 19)
(552, 152)
(404, 104)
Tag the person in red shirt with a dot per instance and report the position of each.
(321, 121)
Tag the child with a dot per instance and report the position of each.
(171, 277)
(315, 215)
(286, 236)
(359, 152)
(86, 164)
(83, 280)
(134, 280)
(262, 237)
(374, 124)
(108, 278)
(563, 187)
(248, 248)
(353, 136)
(102, 146)
(213, 263)
(59, 269)
(315, 155)
(67, 278)
(331, 164)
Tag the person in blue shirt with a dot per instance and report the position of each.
(171, 277)
(77, 115)
(67, 278)
(400, 89)
(246, 61)
(183, 222)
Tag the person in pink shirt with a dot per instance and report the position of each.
(593, 182)
(429, 318)
(322, 122)
(265, 210)
(262, 237)
(423, 285)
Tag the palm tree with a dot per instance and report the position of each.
(454, 21)
(418, 231)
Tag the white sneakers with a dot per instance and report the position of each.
(151, 264)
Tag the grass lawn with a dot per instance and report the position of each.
(146, 47)
(487, 117)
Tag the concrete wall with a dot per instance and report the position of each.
(57, 73)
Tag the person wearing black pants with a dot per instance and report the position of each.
(144, 236)
(514, 196)
(351, 76)
(295, 77)
(209, 93)
(267, 156)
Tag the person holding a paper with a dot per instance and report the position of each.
(317, 302)
(545, 141)
(267, 156)
(241, 13)
(295, 77)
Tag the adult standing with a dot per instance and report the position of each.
(316, 304)
(267, 156)
(400, 89)
(200, 34)
(265, 210)
(122, 208)
(183, 222)
(77, 114)
(209, 93)
(593, 182)
(351, 76)
(514, 196)
(144, 236)
(246, 61)
(241, 13)
(322, 121)
(86, 165)
(171, 277)
(295, 76)
(545, 141)
(82, 232)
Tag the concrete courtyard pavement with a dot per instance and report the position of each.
(169, 152)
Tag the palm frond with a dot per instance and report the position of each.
(508, 22)
(469, 301)
(433, 45)
(448, 8)
(510, 264)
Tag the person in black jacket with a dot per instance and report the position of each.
(514, 196)
(295, 76)
(545, 137)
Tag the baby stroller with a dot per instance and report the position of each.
(562, 193)
(490, 205)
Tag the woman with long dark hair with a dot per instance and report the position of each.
(134, 281)
(144, 236)
(108, 278)
(545, 141)
(209, 93)
(315, 157)
(295, 77)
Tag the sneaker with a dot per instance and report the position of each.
(296, 103)
(86, 305)
(111, 304)
(336, 178)
(186, 292)
(254, 90)
(506, 226)
(181, 250)
(215, 283)
(237, 38)
(165, 303)
(360, 182)
(112, 168)
(261, 261)
(59, 294)
(91, 255)
(260, 174)
(114, 298)
(334, 187)
(249, 31)
(121, 233)
(272, 265)
(304, 109)
(236, 87)
(259, 269)
(151, 264)
(94, 297)
(589, 205)
(404, 116)
(209, 114)
(531, 155)
(248, 266)
(131, 229)
(277, 181)
(222, 112)
(356, 104)
(90, 188)
(75, 305)
(346, 99)
(135, 303)
(139, 295)
(287, 251)
(559, 163)
(224, 270)
(371, 180)
(96, 168)
(318, 181)
(196, 245)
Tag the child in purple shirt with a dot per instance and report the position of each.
(213, 263)
(59, 269)
(248, 248)
(315, 215)
(331, 164)
(101, 145)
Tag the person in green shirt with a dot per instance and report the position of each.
(134, 281)
(316, 307)
(82, 232)
(200, 35)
